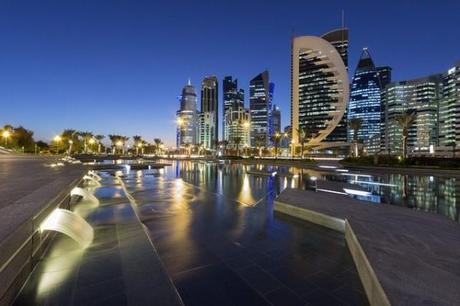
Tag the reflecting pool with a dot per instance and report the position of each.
(214, 229)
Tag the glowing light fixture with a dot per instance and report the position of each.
(357, 192)
(70, 224)
(327, 167)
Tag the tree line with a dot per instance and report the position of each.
(72, 141)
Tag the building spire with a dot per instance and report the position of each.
(189, 83)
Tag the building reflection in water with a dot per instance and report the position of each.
(427, 193)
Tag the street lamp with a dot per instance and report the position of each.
(91, 142)
(119, 143)
(57, 139)
(70, 146)
(5, 135)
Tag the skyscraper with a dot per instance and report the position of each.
(276, 119)
(260, 105)
(449, 109)
(237, 125)
(319, 88)
(420, 96)
(187, 117)
(385, 76)
(233, 100)
(365, 101)
(208, 118)
(339, 39)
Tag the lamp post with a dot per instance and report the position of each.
(119, 143)
(57, 139)
(91, 143)
(70, 146)
(5, 135)
(292, 148)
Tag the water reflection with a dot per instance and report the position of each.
(426, 193)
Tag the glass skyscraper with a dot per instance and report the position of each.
(319, 88)
(421, 96)
(260, 105)
(208, 118)
(365, 101)
(187, 117)
(233, 98)
(449, 109)
(339, 39)
(276, 119)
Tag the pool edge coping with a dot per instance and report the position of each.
(374, 291)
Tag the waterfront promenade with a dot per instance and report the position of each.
(30, 189)
(404, 257)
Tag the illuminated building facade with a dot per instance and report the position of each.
(237, 125)
(365, 101)
(449, 110)
(276, 119)
(260, 104)
(208, 118)
(233, 102)
(319, 87)
(421, 96)
(187, 117)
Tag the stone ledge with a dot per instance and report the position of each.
(412, 254)
(371, 284)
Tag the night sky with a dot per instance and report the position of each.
(118, 66)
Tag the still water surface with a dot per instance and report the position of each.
(427, 193)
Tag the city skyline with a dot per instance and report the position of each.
(83, 73)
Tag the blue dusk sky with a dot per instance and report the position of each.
(119, 66)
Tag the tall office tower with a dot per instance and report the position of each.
(319, 89)
(286, 141)
(365, 102)
(260, 104)
(420, 96)
(187, 117)
(385, 76)
(206, 130)
(449, 110)
(339, 39)
(237, 125)
(276, 119)
(208, 119)
(233, 99)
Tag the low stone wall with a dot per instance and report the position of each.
(374, 291)
(23, 247)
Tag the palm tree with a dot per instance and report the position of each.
(123, 139)
(86, 138)
(137, 143)
(355, 124)
(237, 141)
(405, 120)
(276, 141)
(224, 144)
(301, 134)
(187, 148)
(99, 142)
(260, 142)
(70, 137)
(116, 141)
(158, 143)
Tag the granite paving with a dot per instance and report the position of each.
(415, 254)
(28, 184)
